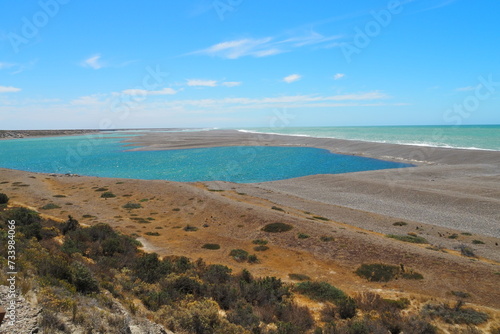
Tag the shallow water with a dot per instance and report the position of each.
(106, 156)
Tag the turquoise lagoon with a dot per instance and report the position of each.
(106, 156)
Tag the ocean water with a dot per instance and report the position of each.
(105, 156)
(479, 137)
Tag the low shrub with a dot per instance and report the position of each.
(239, 255)
(460, 294)
(409, 238)
(477, 242)
(453, 236)
(108, 194)
(466, 251)
(277, 209)
(260, 248)
(456, 314)
(131, 205)
(4, 199)
(155, 234)
(299, 277)
(321, 218)
(325, 238)
(303, 236)
(260, 242)
(189, 228)
(321, 291)
(400, 224)
(378, 272)
(102, 189)
(253, 259)
(50, 206)
(277, 227)
(211, 246)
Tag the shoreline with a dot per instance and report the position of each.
(368, 141)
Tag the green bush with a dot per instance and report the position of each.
(321, 291)
(211, 246)
(82, 278)
(277, 209)
(50, 206)
(28, 221)
(4, 199)
(325, 238)
(466, 251)
(260, 248)
(409, 238)
(400, 224)
(107, 194)
(253, 258)
(378, 272)
(303, 236)
(477, 242)
(456, 314)
(189, 228)
(299, 277)
(260, 242)
(239, 255)
(131, 205)
(277, 228)
(346, 308)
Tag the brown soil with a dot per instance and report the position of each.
(233, 219)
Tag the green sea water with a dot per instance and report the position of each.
(479, 137)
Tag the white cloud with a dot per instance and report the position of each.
(231, 83)
(201, 83)
(264, 47)
(338, 76)
(164, 91)
(292, 101)
(10, 89)
(292, 78)
(91, 100)
(93, 62)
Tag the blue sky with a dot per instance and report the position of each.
(242, 63)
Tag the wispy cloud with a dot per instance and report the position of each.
(93, 62)
(9, 89)
(90, 100)
(143, 92)
(16, 68)
(466, 89)
(264, 47)
(5, 65)
(292, 78)
(232, 83)
(338, 76)
(292, 101)
(201, 83)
